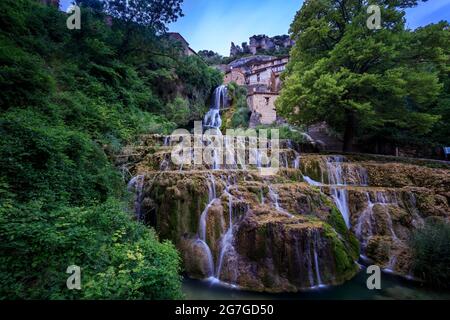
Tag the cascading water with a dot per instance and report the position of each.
(312, 182)
(316, 239)
(363, 228)
(203, 223)
(297, 162)
(226, 245)
(273, 195)
(137, 183)
(212, 118)
(214, 121)
(338, 190)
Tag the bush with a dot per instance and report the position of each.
(70, 100)
(286, 132)
(178, 111)
(432, 253)
(119, 258)
(240, 117)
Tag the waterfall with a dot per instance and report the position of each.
(208, 253)
(137, 183)
(297, 162)
(203, 223)
(274, 197)
(226, 245)
(363, 228)
(336, 180)
(212, 118)
(316, 239)
(166, 141)
(312, 182)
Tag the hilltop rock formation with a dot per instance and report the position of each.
(262, 43)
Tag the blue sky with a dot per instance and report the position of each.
(213, 24)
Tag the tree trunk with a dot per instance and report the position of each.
(349, 132)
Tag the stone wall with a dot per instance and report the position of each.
(235, 76)
(264, 105)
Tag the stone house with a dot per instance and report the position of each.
(261, 76)
(262, 105)
(175, 36)
(235, 75)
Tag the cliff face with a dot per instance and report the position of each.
(262, 43)
(287, 232)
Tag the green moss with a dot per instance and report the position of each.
(344, 252)
(336, 220)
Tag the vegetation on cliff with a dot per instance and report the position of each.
(70, 99)
(238, 116)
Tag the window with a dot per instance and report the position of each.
(258, 78)
(267, 100)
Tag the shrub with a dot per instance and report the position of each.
(432, 253)
(119, 258)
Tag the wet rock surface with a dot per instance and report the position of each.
(287, 232)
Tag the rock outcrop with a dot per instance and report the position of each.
(386, 201)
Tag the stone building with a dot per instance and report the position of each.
(187, 50)
(235, 75)
(261, 76)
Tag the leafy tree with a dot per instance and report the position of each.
(362, 82)
(210, 57)
(152, 13)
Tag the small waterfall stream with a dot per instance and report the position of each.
(203, 224)
(336, 179)
(212, 118)
(137, 184)
(226, 244)
(316, 239)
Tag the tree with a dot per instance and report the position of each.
(152, 13)
(210, 57)
(361, 82)
(135, 15)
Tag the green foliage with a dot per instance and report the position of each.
(70, 100)
(369, 84)
(152, 13)
(210, 57)
(240, 112)
(432, 253)
(178, 111)
(286, 132)
(119, 259)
